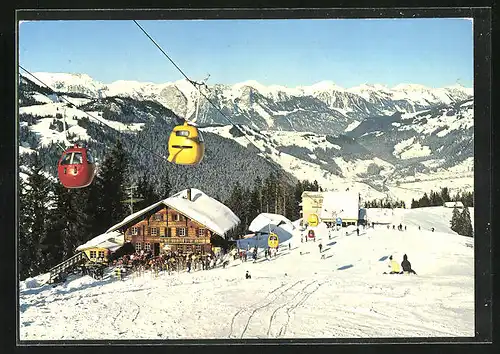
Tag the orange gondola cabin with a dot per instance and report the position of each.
(76, 167)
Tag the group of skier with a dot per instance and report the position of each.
(400, 227)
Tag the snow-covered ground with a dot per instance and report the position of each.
(298, 294)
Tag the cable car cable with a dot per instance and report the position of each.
(90, 115)
(192, 82)
(272, 162)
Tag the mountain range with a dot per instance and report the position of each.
(382, 141)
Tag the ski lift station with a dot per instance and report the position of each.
(332, 205)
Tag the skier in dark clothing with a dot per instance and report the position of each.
(406, 265)
(357, 231)
(394, 227)
(320, 247)
(405, 227)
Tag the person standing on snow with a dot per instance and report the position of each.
(357, 231)
(406, 265)
(320, 247)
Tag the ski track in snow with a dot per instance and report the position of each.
(343, 295)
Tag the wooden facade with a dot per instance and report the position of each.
(97, 254)
(168, 226)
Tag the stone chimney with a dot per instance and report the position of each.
(189, 194)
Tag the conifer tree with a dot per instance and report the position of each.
(25, 237)
(456, 221)
(467, 229)
(164, 187)
(424, 201)
(110, 185)
(146, 192)
(445, 195)
(35, 203)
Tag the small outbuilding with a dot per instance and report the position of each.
(453, 204)
(100, 247)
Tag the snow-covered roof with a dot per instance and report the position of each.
(263, 220)
(201, 208)
(109, 240)
(312, 194)
(264, 223)
(453, 204)
(340, 204)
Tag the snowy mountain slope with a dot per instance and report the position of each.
(374, 153)
(148, 122)
(322, 107)
(295, 295)
(332, 161)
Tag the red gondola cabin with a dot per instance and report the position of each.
(76, 168)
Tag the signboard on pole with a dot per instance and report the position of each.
(273, 240)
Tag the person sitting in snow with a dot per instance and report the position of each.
(247, 275)
(406, 265)
(394, 266)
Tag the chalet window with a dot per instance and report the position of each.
(92, 254)
(135, 230)
(147, 246)
(157, 217)
(201, 232)
(181, 232)
(101, 254)
(138, 246)
(177, 217)
(154, 231)
(169, 232)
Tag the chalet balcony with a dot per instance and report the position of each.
(179, 240)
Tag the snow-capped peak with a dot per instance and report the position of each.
(325, 85)
(410, 87)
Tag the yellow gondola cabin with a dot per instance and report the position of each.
(313, 220)
(186, 145)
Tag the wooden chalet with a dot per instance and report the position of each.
(184, 222)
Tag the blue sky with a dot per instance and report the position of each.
(432, 52)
